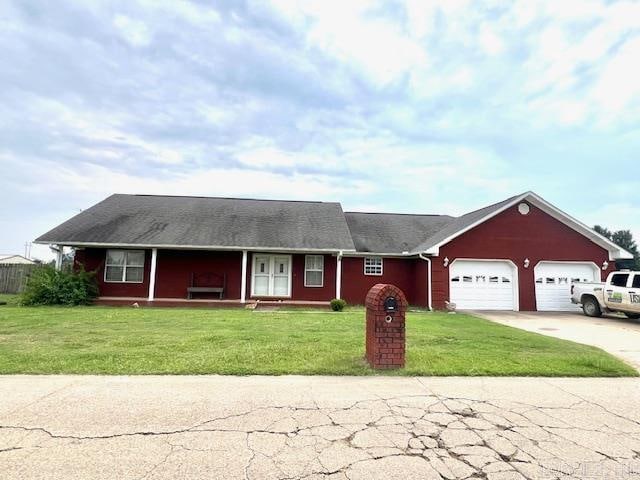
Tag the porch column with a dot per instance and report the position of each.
(338, 274)
(152, 274)
(59, 255)
(243, 280)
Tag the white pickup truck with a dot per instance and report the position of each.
(620, 293)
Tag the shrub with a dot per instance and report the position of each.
(337, 304)
(48, 286)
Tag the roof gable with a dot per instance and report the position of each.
(470, 220)
(14, 259)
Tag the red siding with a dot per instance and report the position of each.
(93, 260)
(409, 275)
(510, 235)
(298, 290)
(326, 292)
(420, 274)
(175, 267)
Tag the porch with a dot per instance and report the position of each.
(212, 277)
(207, 303)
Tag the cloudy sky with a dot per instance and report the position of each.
(407, 106)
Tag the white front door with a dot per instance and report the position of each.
(281, 276)
(482, 285)
(261, 275)
(553, 283)
(271, 276)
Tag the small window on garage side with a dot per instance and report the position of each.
(550, 281)
(539, 280)
(506, 280)
(620, 280)
(481, 279)
(455, 279)
(313, 270)
(493, 279)
(124, 266)
(636, 282)
(373, 265)
(466, 279)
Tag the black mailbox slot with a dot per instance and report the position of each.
(390, 304)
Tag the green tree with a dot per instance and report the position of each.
(605, 232)
(624, 239)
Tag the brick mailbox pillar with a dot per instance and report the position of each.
(386, 307)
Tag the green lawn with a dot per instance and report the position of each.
(104, 340)
(9, 299)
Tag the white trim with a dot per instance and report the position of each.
(516, 276)
(243, 280)
(364, 266)
(124, 266)
(59, 257)
(338, 274)
(271, 257)
(429, 287)
(140, 246)
(152, 273)
(314, 270)
(374, 254)
(615, 252)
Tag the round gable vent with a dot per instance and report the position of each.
(524, 208)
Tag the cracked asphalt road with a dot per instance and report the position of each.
(152, 427)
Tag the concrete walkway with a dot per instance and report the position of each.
(617, 335)
(84, 427)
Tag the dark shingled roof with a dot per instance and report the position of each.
(200, 221)
(392, 232)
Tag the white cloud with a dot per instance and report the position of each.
(490, 42)
(135, 32)
(422, 106)
(97, 182)
(349, 32)
(618, 87)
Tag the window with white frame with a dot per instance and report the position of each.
(124, 266)
(313, 270)
(373, 265)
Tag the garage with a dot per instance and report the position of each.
(483, 285)
(553, 283)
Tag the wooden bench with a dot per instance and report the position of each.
(207, 283)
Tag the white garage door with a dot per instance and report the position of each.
(482, 285)
(553, 283)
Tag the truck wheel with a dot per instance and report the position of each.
(591, 307)
(633, 316)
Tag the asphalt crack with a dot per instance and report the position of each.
(383, 429)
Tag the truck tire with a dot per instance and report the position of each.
(591, 307)
(633, 316)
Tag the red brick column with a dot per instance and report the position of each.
(385, 333)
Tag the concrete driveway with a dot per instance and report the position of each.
(172, 427)
(616, 335)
